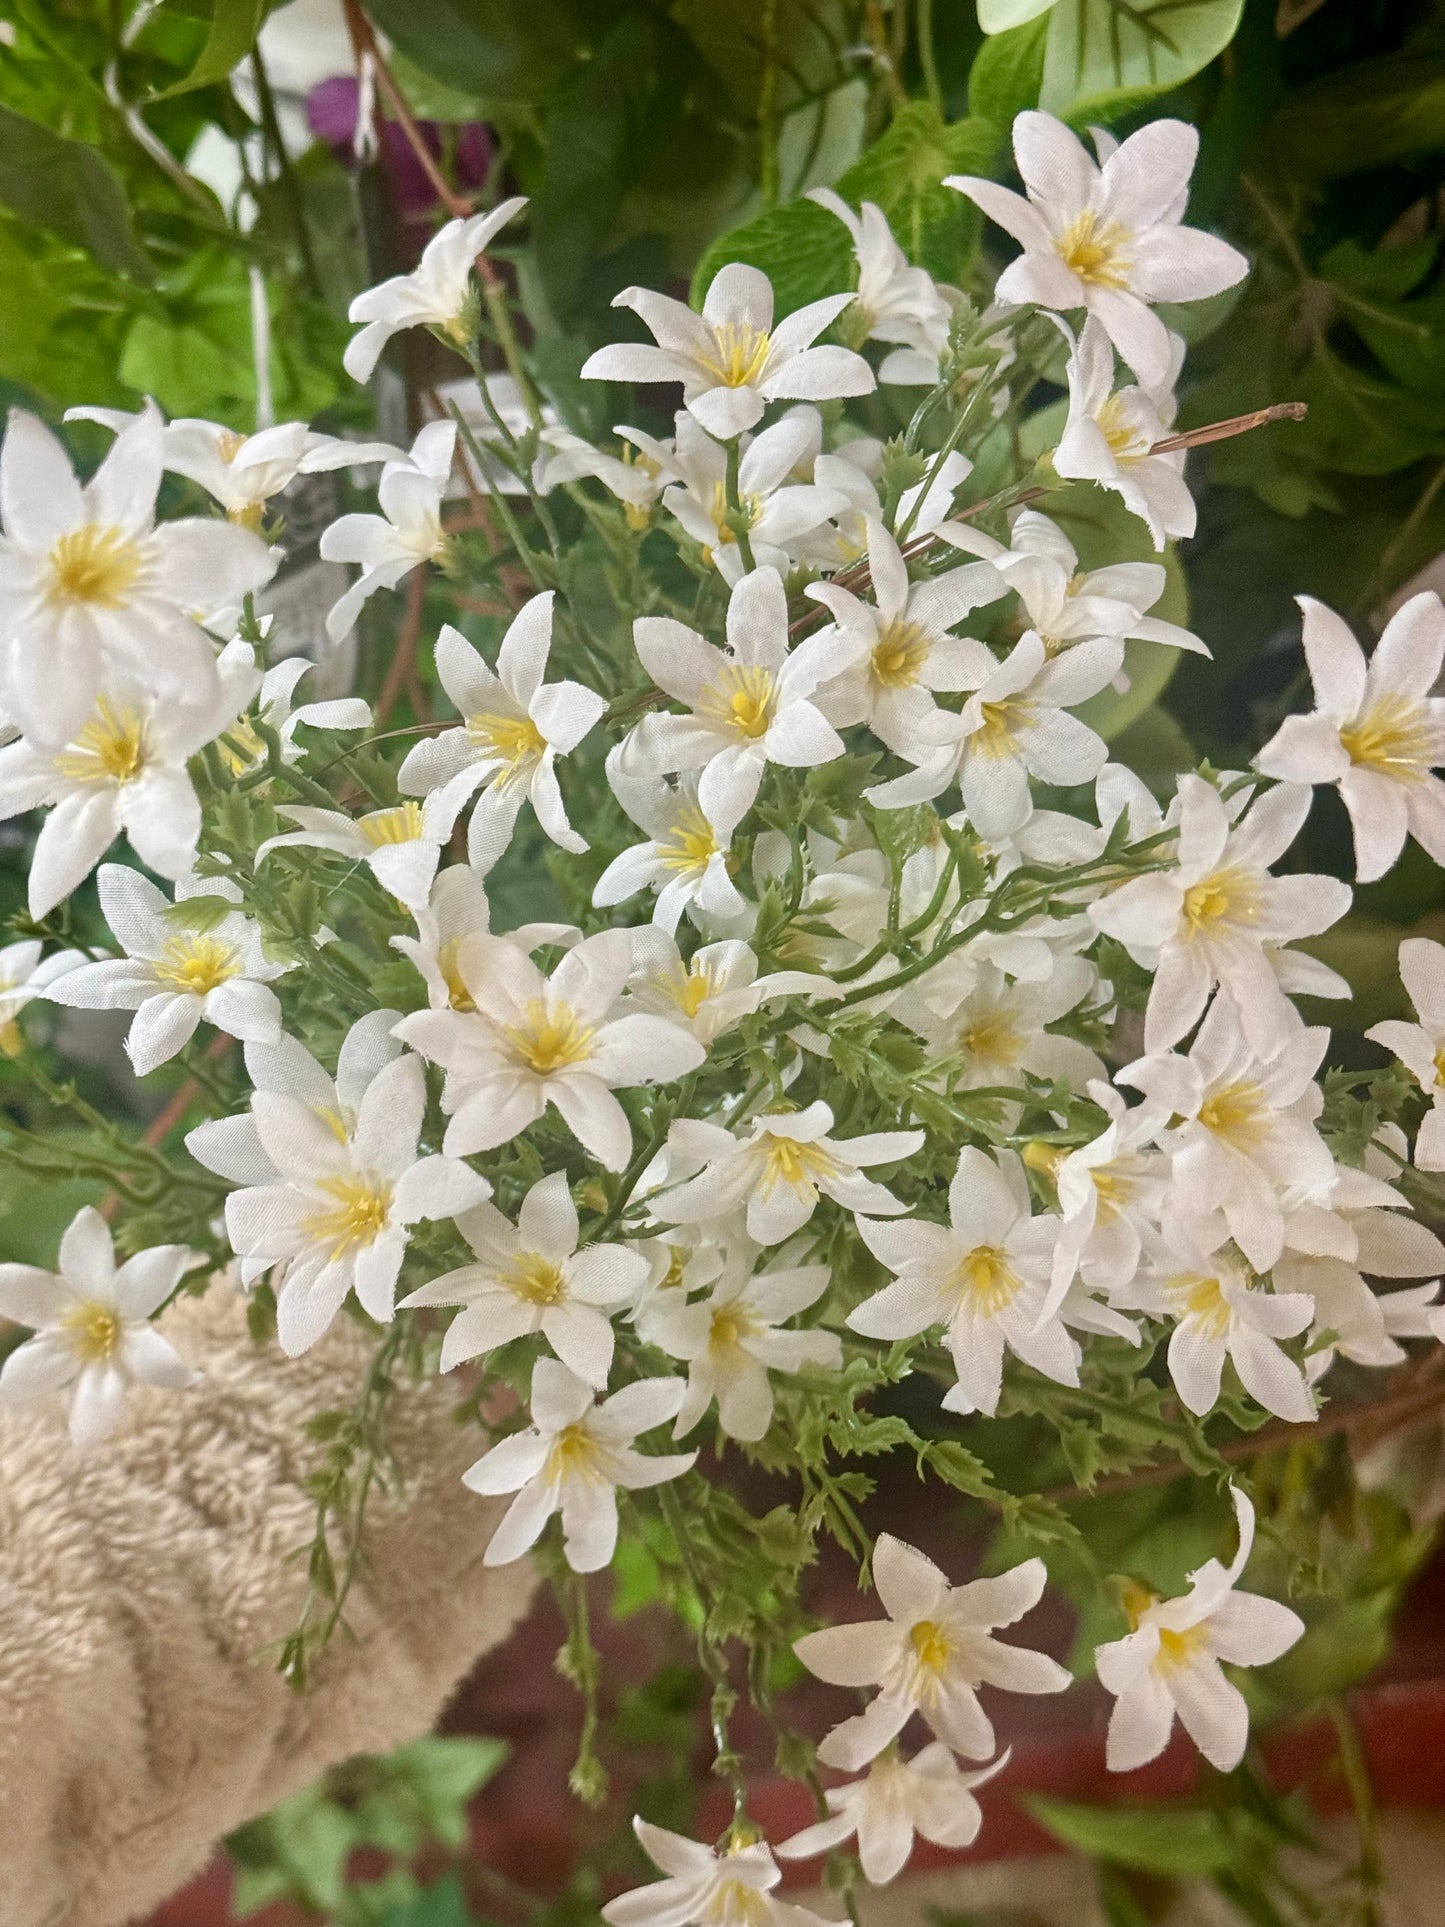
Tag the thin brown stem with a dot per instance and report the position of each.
(1279, 411)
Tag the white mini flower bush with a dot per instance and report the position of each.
(884, 1066)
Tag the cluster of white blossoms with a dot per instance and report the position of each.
(834, 1065)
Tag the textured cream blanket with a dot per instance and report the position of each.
(140, 1717)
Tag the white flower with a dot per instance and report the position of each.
(781, 513)
(715, 988)
(338, 1216)
(984, 1276)
(750, 706)
(1376, 730)
(1015, 725)
(457, 907)
(998, 1028)
(1168, 1664)
(407, 533)
(1109, 1190)
(516, 726)
(124, 770)
(929, 1656)
(1242, 1127)
(571, 1459)
(530, 1277)
(780, 1168)
(730, 359)
(1420, 1047)
(636, 477)
(903, 650)
(25, 975)
(92, 1327)
(243, 472)
(497, 417)
(531, 1041)
(1106, 238)
(855, 470)
(705, 1888)
(243, 749)
(1109, 437)
(1216, 915)
(436, 294)
(685, 859)
(1221, 1314)
(176, 972)
(895, 302)
(731, 1341)
(928, 1795)
(1065, 604)
(401, 844)
(91, 587)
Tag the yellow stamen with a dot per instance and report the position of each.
(93, 564)
(110, 748)
(1179, 1648)
(1002, 722)
(400, 824)
(931, 1645)
(451, 970)
(535, 1279)
(993, 1037)
(1094, 250)
(357, 1218)
(690, 845)
(1126, 439)
(549, 1040)
(987, 1280)
(899, 655)
(513, 740)
(730, 1324)
(573, 1455)
(1238, 1112)
(740, 352)
(1203, 1301)
(197, 964)
(745, 699)
(1393, 736)
(751, 507)
(790, 1161)
(95, 1332)
(736, 1905)
(1229, 893)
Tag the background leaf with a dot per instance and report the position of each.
(1104, 56)
(70, 191)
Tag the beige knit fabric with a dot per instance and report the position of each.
(140, 1715)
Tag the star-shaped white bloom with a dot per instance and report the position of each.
(26, 974)
(1110, 435)
(177, 971)
(781, 512)
(716, 987)
(123, 771)
(781, 1168)
(855, 470)
(531, 1041)
(984, 1277)
(1107, 238)
(458, 907)
(685, 859)
(1376, 730)
(571, 1459)
(1216, 914)
(339, 1215)
(516, 726)
(1420, 1047)
(730, 359)
(1015, 725)
(1109, 1190)
(407, 533)
(1221, 1313)
(243, 472)
(731, 1341)
(436, 294)
(401, 843)
(636, 477)
(706, 1888)
(92, 587)
(243, 749)
(929, 1795)
(997, 1031)
(929, 1656)
(530, 1277)
(1241, 1129)
(91, 1324)
(1167, 1666)
(895, 302)
(750, 706)
(903, 650)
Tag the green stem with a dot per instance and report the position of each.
(736, 518)
(928, 54)
(1362, 1798)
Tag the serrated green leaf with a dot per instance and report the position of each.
(1103, 57)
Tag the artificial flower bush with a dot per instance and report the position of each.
(897, 1059)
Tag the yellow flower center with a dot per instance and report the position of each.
(229, 445)
(997, 735)
(1238, 1112)
(1229, 893)
(95, 1332)
(740, 352)
(548, 1040)
(1127, 441)
(1203, 1301)
(1440, 1068)
(1179, 1648)
(750, 505)
(95, 565)
(241, 748)
(931, 1645)
(790, 1161)
(736, 1905)
(690, 845)
(250, 516)
(994, 1038)
(535, 1278)
(744, 699)
(513, 740)
(730, 1324)
(12, 1043)
(400, 824)
(677, 1257)
(357, 1217)
(450, 967)
(1393, 736)
(899, 655)
(1111, 1188)
(987, 1281)
(1094, 249)
(197, 964)
(573, 1455)
(110, 748)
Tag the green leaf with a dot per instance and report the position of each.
(504, 50)
(200, 914)
(1183, 1841)
(904, 171)
(1105, 56)
(1368, 114)
(1008, 73)
(234, 27)
(69, 190)
(804, 251)
(444, 1905)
